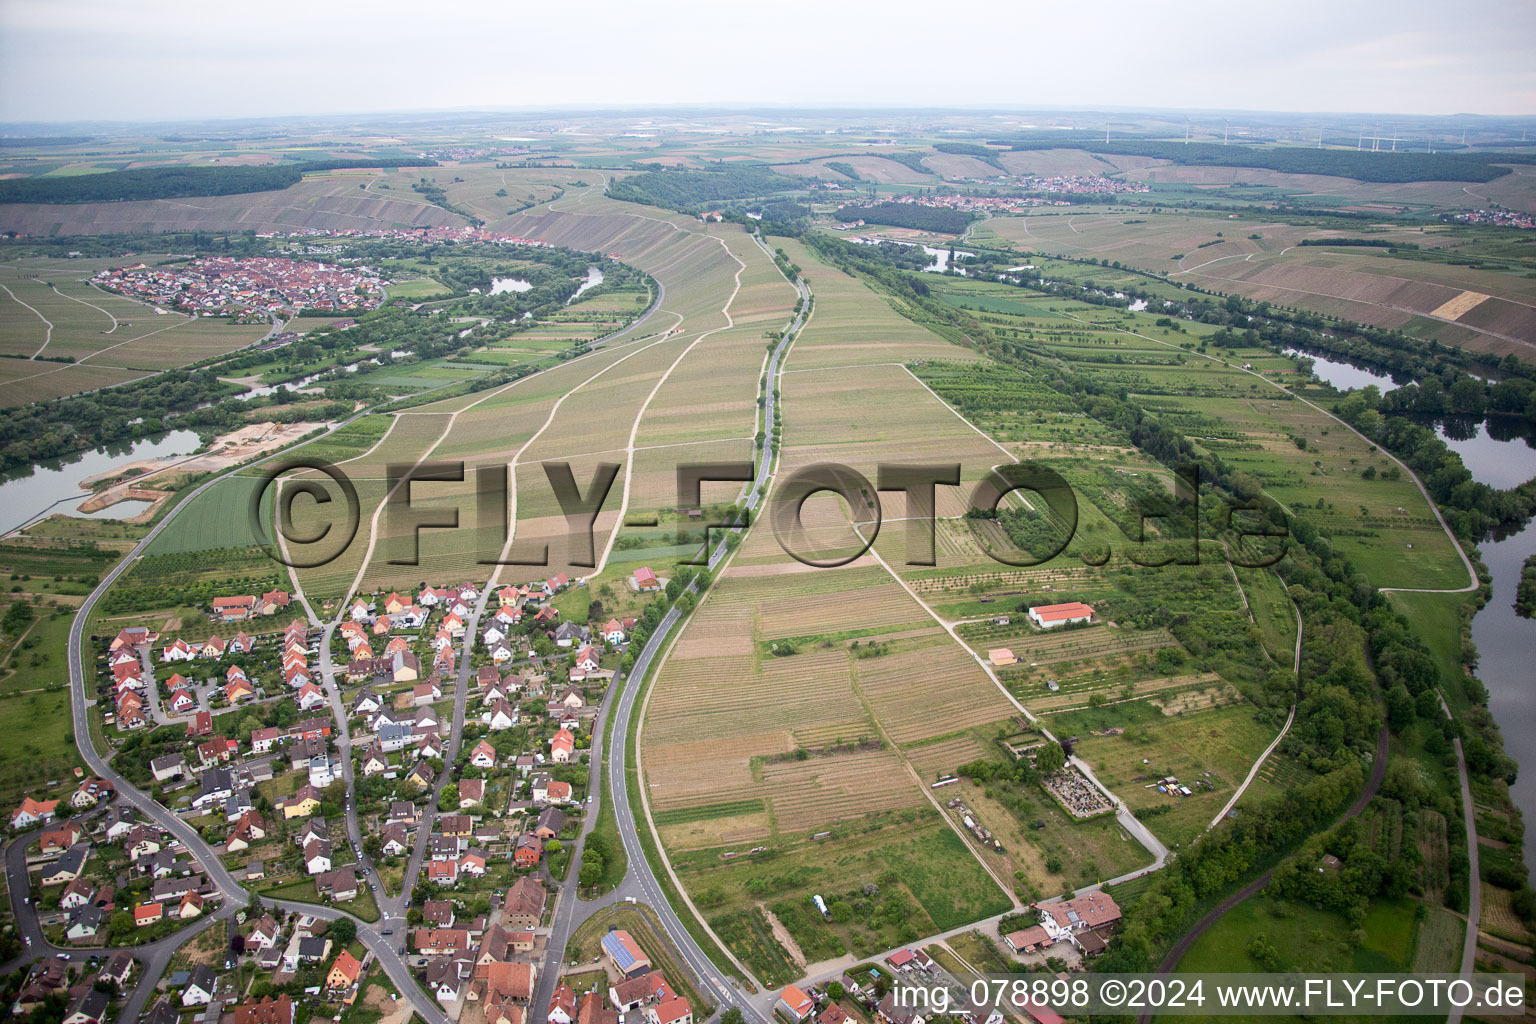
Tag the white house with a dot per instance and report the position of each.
(1050, 616)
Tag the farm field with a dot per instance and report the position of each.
(1489, 310)
(66, 336)
(1299, 453)
(1209, 751)
(321, 201)
(920, 864)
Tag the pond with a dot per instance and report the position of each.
(502, 285)
(1344, 376)
(1496, 451)
(54, 486)
(593, 279)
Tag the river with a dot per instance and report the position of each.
(1506, 642)
(54, 486)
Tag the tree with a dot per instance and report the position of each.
(1050, 758)
(835, 991)
(553, 847)
(449, 801)
(732, 1016)
(342, 930)
(591, 868)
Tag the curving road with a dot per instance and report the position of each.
(640, 882)
(1378, 772)
(234, 895)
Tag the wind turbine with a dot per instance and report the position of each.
(1227, 128)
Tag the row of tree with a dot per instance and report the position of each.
(176, 182)
(1342, 163)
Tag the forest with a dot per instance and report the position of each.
(688, 191)
(908, 215)
(1342, 163)
(176, 182)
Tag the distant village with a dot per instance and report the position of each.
(246, 286)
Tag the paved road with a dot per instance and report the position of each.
(152, 956)
(234, 894)
(640, 883)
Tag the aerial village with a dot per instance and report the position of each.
(228, 723)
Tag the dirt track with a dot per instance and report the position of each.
(1378, 772)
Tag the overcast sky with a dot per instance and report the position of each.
(167, 59)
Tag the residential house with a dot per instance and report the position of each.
(84, 922)
(32, 812)
(551, 820)
(263, 934)
(441, 941)
(562, 1005)
(524, 906)
(263, 740)
(78, 893)
(177, 650)
(794, 1003)
(317, 856)
(562, 746)
(394, 840)
(483, 756)
(171, 766)
(374, 761)
(118, 969)
(501, 716)
(344, 971)
(59, 838)
(265, 1011)
(89, 1007)
(233, 609)
(68, 867)
(668, 1011)
(90, 792)
(340, 884)
(302, 804)
(471, 792)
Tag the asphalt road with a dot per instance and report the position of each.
(152, 956)
(640, 882)
(235, 895)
